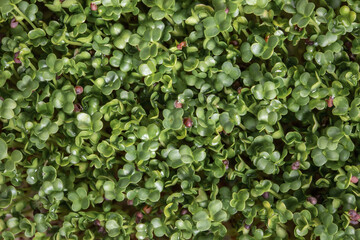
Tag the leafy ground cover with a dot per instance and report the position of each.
(164, 119)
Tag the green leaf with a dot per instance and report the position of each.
(214, 207)
(239, 199)
(121, 41)
(190, 64)
(309, 9)
(27, 85)
(173, 118)
(84, 121)
(77, 19)
(341, 106)
(246, 52)
(318, 157)
(113, 228)
(257, 49)
(202, 221)
(36, 33)
(6, 108)
(3, 149)
(157, 13)
(260, 188)
(211, 31)
(273, 41)
(105, 149)
(203, 225)
(226, 122)
(49, 173)
(145, 70)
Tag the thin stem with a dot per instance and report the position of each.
(21, 23)
(55, 82)
(353, 185)
(313, 22)
(109, 97)
(35, 60)
(242, 127)
(23, 16)
(13, 80)
(19, 130)
(250, 111)
(32, 66)
(82, 9)
(284, 49)
(162, 46)
(334, 75)
(237, 51)
(241, 10)
(100, 32)
(318, 78)
(225, 35)
(73, 43)
(105, 134)
(14, 71)
(245, 32)
(170, 20)
(24, 26)
(275, 194)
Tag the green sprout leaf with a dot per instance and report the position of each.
(164, 119)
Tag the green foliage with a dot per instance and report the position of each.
(263, 48)
(164, 119)
(79, 199)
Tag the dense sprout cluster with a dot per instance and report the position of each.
(164, 119)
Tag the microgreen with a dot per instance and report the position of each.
(164, 119)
